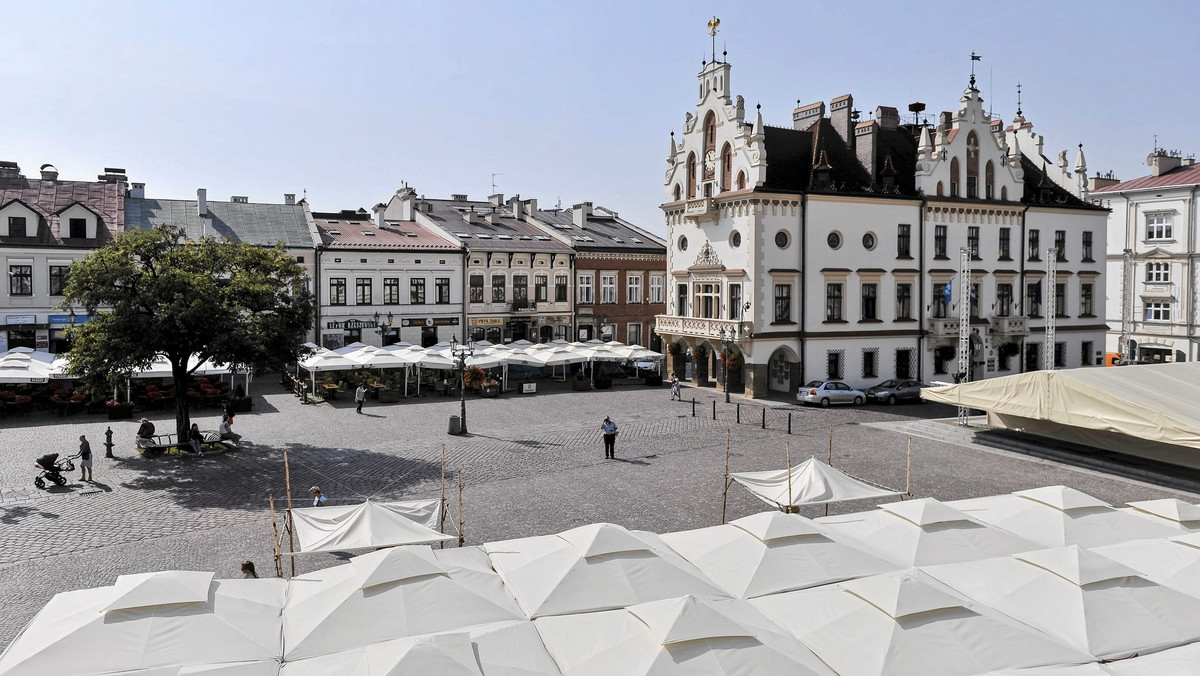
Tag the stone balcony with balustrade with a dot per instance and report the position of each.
(699, 209)
(943, 327)
(1009, 326)
(696, 327)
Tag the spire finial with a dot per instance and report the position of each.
(713, 25)
(1018, 99)
(974, 57)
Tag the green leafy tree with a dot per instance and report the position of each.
(155, 292)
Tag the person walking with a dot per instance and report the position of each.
(248, 569)
(226, 431)
(196, 440)
(318, 497)
(610, 438)
(675, 388)
(360, 395)
(85, 459)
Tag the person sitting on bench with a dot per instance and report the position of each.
(227, 432)
(145, 434)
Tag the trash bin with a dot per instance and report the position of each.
(455, 425)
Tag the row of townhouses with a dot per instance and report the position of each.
(413, 269)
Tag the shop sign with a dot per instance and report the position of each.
(991, 364)
(352, 324)
(20, 319)
(429, 321)
(486, 321)
(66, 319)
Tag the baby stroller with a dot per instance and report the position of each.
(52, 469)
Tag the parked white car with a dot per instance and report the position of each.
(826, 392)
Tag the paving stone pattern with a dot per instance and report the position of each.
(533, 464)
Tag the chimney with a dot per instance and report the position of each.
(378, 210)
(496, 199)
(408, 203)
(9, 170)
(580, 213)
(1102, 181)
(531, 207)
(889, 117)
(289, 198)
(138, 191)
(865, 140)
(469, 216)
(49, 172)
(517, 207)
(458, 198)
(804, 116)
(1188, 161)
(240, 199)
(202, 202)
(839, 117)
(1162, 161)
(945, 120)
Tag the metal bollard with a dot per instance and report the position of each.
(789, 422)
(108, 443)
(714, 409)
(693, 407)
(764, 418)
(739, 413)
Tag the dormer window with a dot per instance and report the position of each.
(16, 226)
(77, 228)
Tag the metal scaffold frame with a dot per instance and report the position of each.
(1051, 291)
(964, 323)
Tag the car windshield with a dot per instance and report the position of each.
(815, 383)
(887, 383)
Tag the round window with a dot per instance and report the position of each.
(834, 240)
(683, 243)
(735, 239)
(869, 241)
(781, 239)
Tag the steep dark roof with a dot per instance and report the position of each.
(606, 233)
(1041, 189)
(789, 159)
(504, 233)
(253, 223)
(901, 146)
(794, 155)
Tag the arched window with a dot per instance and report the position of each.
(678, 192)
(1004, 193)
(972, 165)
(726, 167)
(710, 131)
(939, 189)
(954, 177)
(691, 175)
(989, 180)
(741, 184)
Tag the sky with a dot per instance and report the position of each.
(562, 101)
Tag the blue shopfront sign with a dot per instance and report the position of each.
(66, 319)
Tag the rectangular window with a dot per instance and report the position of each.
(442, 286)
(1087, 247)
(1034, 243)
(58, 279)
(608, 288)
(1033, 357)
(735, 301)
(1060, 300)
(16, 226)
(973, 241)
(1087, 307)
(1004, 297)
(975, 301)
(391, 290)
(1156, 311)
(560, 288)
(682, 299)
(20, 280)
(783, 303)
(1005, 244)
(939, 241)
(633, 289)
(633, 333)
(657, 289)
(833, 302)
(904, 241)
(77, 227)
(1158, 226)
(541, 288)
(835, 364)
(708, 300)
(904, 363)
(939, 301)
(870, 361)
(416, 291)
(585, 290)
(337, 291)
(521, 289)
(972, 186)
(362, 291)
(1085, 353)
(1158, 272)
(1060, 355)
(1033, 300)
(498, 292)
(476, 289)
(904, 301)
(870, 294)
(1060, 245)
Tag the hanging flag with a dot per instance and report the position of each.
(1037, 292)
(946, 291)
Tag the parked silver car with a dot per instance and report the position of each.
(826, 392)
(892, 391)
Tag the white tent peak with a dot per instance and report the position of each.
(811, 482)
(1062, 498)
(367, 525)
(924, 511)
(687, 619)
(1188, 539)
(1077, 565)
(395, 565)
(768, 526)
(598, 539)
(901, 595)
(1171, 509)
(163, 588)
(442, 654)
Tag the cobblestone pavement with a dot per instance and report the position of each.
(532, 465)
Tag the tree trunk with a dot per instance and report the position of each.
(182, 421)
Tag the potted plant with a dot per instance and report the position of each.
(491, 388)
(580, 382)
(118, 410)
(473, 378)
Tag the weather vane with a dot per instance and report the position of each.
(1018, 99)
(974, 57)
(713, 25)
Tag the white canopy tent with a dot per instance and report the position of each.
(1169, 512)
(1172, 562)
(810, 482)
(923, 532)
(1086, 600)
(1181, 661)
(907, 624)
(595, 567)
(772, 552)
(1054, 516)
(18, 366)
(368, 525)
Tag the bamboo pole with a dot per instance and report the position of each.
(788, 447)
(908, 472)
(830, 463)
(275, 528)
(725, 492)
(287, 478)
(442, 524)
(461, 537)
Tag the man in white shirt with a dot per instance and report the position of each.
(610, 438)
(226, 432)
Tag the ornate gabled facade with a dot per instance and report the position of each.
(824, 250)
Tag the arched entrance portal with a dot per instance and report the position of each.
(781, 366)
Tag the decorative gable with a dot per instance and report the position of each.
(19, 215)
(77, 221)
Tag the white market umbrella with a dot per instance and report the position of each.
(1172, 562)
(23, 367)
(810, 482)
(1169, 512)
(367, 525)
(1179, 661)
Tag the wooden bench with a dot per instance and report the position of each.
(168, 444)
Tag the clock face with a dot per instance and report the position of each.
(710, 160)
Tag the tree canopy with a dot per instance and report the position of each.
(153, 292)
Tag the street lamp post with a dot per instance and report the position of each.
(460, 354)
(728, 338)
(383, 329)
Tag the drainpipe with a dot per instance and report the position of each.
(803, 276)
(317, 293)
(921, 288)
(1021, 256)
(1191, 275)
(466, 291)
